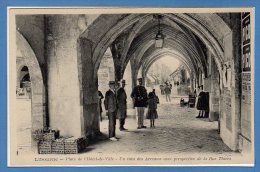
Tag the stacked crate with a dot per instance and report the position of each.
(40, 135)
(62, 145)
(44, 147)
(75, 145)
(58, 146)
(45, 139)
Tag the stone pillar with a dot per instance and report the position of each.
(191, 83)
(63, 85)
(134, 73)
(89, 91)
(128, 88)
(144, 77)
(231, 94)
(118, 69)
(214, 93)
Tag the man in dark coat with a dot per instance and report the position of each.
(202, 103)
(122, 105)
(139, 95)
(100, 96)
(111, 108)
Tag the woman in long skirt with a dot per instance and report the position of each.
(152, 109)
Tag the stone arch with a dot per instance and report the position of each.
(158, 56)
(19, 74)
(200, 28)
(180, 49)
(38, 100)
(93, 43)
(176, 41)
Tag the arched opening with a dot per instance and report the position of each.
(23, 100)
(129, 85)
(106, 73)
(184, 33)
(30, 94)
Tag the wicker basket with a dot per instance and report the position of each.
(62, 146)
(46, 135)
(75, 145)
(44, 147)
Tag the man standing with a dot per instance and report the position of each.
(167, 91)
(139, 95)
(122, 105)
(111, 108)
(100, 96)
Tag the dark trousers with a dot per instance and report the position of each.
(111, 124)
(122, 122)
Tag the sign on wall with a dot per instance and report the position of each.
(246, 76)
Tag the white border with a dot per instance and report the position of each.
(125, 7)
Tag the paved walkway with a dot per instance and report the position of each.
(176, 131)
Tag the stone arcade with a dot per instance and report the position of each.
(63, 54)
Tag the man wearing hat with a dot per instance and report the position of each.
(122, 105)
(111, 108)
(139, 95)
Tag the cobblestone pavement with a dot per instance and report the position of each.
(176, 131)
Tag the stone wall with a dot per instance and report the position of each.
(230, 107)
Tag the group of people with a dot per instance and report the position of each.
(116, 106)
(166, 90)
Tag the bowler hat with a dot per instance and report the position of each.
(140, 79)
(111, 83)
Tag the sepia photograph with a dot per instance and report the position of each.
(131, 87)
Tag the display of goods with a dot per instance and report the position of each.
(46, 135)
(44, 147)
(57, 146)
(75, 145)
(62, 146)
(52, 135)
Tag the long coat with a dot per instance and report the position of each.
(122, 103)
(202, 101)
(167, 89)
(152, 106)
(110, 101)
(139, 95)
(100, 95)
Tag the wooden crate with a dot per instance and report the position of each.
(52, 135)
(75, 145)
(58, 146)
(62, 146)
(46, 135)
(44, 147)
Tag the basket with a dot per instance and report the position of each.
(75, 145)
(44, 147)
(62, 146)
(46, 135)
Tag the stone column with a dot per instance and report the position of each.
(118, 69)
(144, 76)
(89, 88)
(134, 73)
(63, 84)
(191, 83)
(214, 93)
